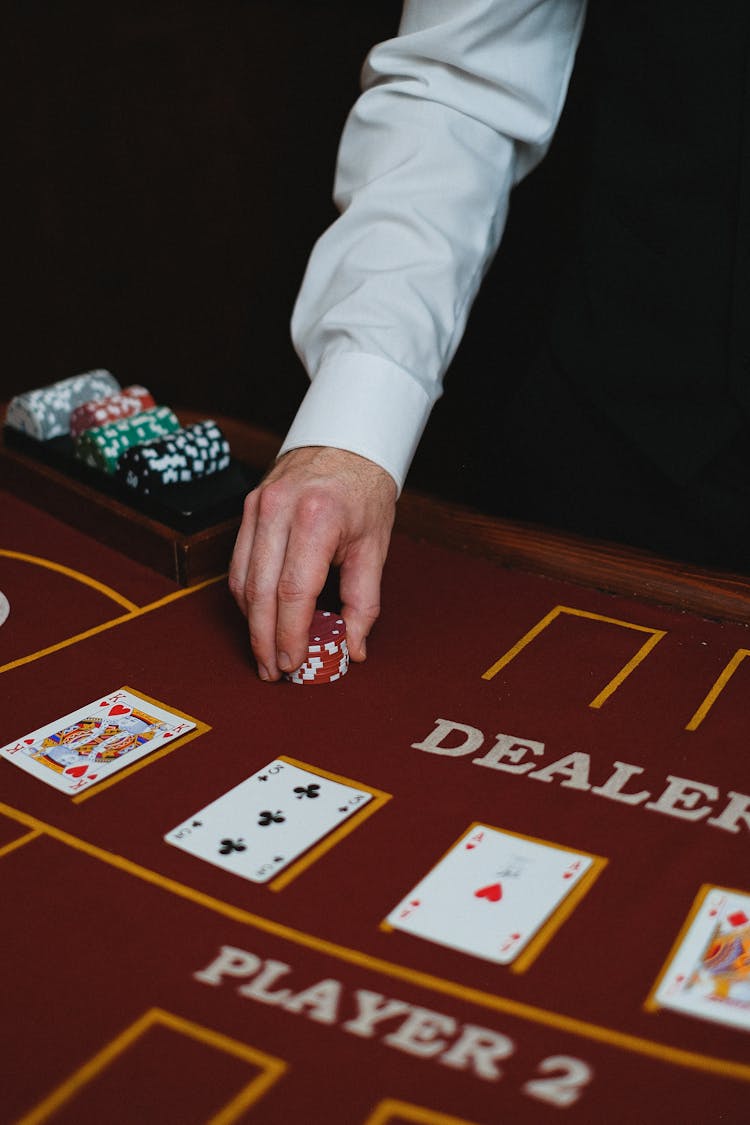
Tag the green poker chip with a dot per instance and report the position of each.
(103, 446)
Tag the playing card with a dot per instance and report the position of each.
(91, 743)
(268, 820)
(491, 893)
(708, 972)
(4, 608)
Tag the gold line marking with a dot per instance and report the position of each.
(515, 1008)
(718, 688)
(148, 759)
(77, 575)
(20, 841)
(271, 1068)
(137, 612)
(385, 1111)
(616, 681)
(527, 956)
(380, 798)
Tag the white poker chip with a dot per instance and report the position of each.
(4, 608)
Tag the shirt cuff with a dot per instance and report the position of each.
(366, 405)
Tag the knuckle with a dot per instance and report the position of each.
(254, 591)
(291, 590)
(315, 505)
(272, 499)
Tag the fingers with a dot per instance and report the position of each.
(313, 539)
(242, 551)
(317, 505)
(264, 569)
(360, 576)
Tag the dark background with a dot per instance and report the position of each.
(171, 165)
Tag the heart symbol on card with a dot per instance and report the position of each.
(76, 771)
(29, 741)
(118, 709)
(470, 846)
(493, 892)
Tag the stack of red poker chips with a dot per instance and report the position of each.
(124, 404)
(327, 651)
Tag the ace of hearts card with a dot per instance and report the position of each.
(91, 743)
(707, 974)
(493, 891)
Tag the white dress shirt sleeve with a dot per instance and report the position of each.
(454, 111)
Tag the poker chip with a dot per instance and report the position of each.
(327, 651)
(188, 454)
(44, 412)
(4, 608)
(98, 412)
(103, 446)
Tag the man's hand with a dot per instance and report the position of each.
(317, 506)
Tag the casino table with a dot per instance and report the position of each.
(577, 694)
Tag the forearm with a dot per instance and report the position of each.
(454, 111)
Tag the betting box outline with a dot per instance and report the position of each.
(517, 1009)
(611, 687)
(103, 626)
(384, 1111)
(271, 1068)
(560, 914)
(618, 679)
(70, 572)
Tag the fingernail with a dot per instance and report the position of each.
(283, 661)
(263, 672)
(363, 647)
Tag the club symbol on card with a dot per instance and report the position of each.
(307, 791)
(197, 824)
(493, 892)
(267, 817)
(228, 846)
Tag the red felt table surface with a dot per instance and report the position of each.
(105, 925)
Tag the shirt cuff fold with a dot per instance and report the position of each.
(366, 405)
